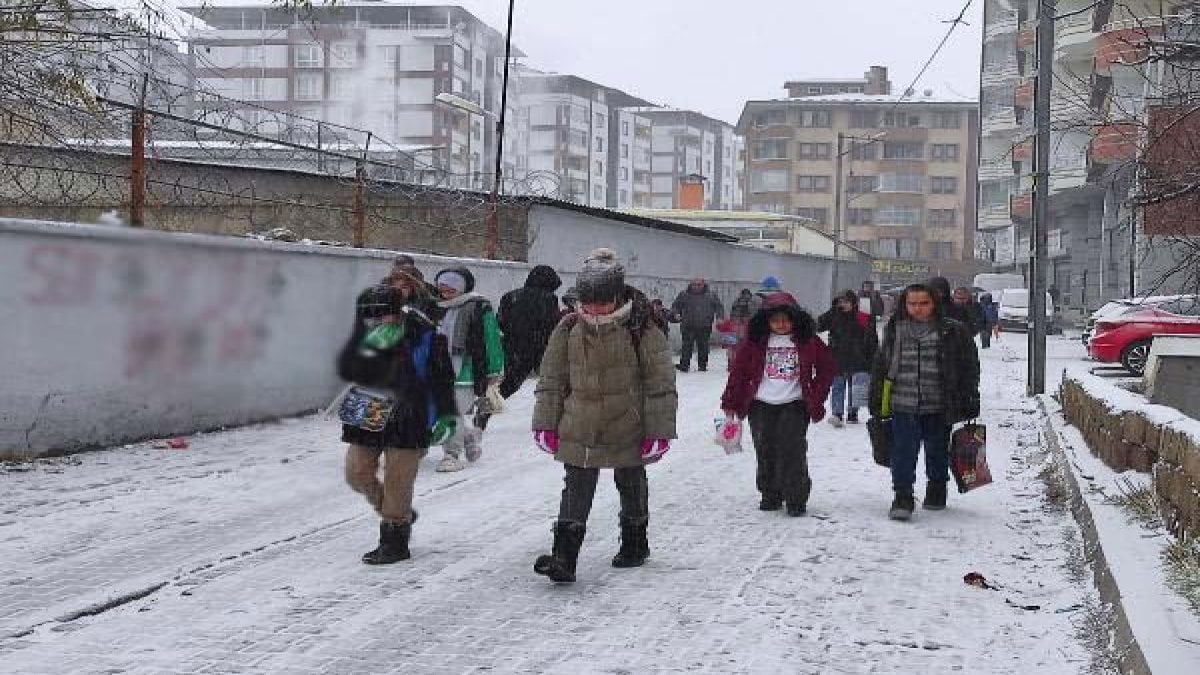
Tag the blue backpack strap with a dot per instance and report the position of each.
(421, 354)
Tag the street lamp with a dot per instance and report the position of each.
(842, 151)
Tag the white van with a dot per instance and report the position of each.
(994, 283)
(1014, 310)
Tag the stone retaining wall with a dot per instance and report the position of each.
(1127, 433)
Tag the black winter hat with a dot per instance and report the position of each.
(378, 301)
(602, 278)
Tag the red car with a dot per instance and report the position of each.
(1126, 339)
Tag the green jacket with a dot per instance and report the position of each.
(602, 394)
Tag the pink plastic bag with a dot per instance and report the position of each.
(728, 435)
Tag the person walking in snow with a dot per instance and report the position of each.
(779, 380)
(853, 342)
(473, 335)
(926, 379)
(394, 354)
(527, 317)
(696, 308)
(991, 319)
(605, 400)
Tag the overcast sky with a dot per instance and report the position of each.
(714, 55)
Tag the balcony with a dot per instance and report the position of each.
(1020, 207)
(996, 170)
(1124, 42)
(1070, 109)
(994, 217)
(1074, 38)
(1111, 144)
(1023, 95)
(1001, 121)
(1000, 74)
(1000, 27)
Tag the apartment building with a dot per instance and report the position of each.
(909, 170)
(1105, 91)
(688, 146)
(369, 65)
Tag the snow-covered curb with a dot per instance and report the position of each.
(1156, 632)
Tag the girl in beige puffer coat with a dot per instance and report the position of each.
(605, 400)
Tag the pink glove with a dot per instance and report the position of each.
(653, 449)
(547, 440)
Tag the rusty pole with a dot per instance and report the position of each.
(137, 166)
(360, 205)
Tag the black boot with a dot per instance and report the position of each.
(770, 503)
(560, 564)
(393, 544)
(935, 496)
(635, 548)
(903, 504)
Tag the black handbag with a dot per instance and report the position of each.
(880, 432)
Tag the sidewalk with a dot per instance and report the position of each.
(240, 554)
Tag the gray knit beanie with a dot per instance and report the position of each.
(602, 278)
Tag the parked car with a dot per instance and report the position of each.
(1126, 339)
(1123, 307)
(1014, 310)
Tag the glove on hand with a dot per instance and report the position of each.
(653, 449)
(443, 430)
(547, 440)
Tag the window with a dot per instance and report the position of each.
(864, 119)
(901, 182)
(815, 118)
(864, 151)
(770, 117)
(908, 248)
(599, 145)
(624, 151)
(947, 120)
(819, 215)
(860, 216)
(943, 185)
(771, 148)
(389, 54)
(857, 185)
(340, 86)
(343, 54)
(599, 120)
(947, 152)
(812, 183)
(307, 87)
(623, 173)
(253, 55)
(308, 56)
(941, 217)
(894, 150)
(885, 248)
(771, 180)
(814, 90)
(901, 119)
(814, 150)
(460, 56)
(577, 137)
(598, 168)
(941, 250)
(898, 215)
(254, 89)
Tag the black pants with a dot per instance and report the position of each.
(695, 336)
(985, 336)
(517, 367)
(580, 488)
(780, 442)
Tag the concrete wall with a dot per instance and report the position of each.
(113, 334)
(661, 263)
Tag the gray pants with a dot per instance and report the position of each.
(580, 488)
(469, 437)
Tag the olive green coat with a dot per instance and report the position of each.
(603, 397)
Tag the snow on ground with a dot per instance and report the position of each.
(240, 554)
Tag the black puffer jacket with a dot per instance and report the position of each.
(529, 314)
(423, 394)
(959, 368)
(851, 338)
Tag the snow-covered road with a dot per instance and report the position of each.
(240, 554)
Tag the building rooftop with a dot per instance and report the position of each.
(829, 80)
(885, 99)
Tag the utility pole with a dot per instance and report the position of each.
(137, 161)
(493, 217)
(837, 213)
(1041, 200)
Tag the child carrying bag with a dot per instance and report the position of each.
(366, 408)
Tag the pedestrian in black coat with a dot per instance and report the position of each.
(527, 317)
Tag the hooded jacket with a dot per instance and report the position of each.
(472, 333)
(815, 369)
(852, 338)
(606, 388)
(529, 314)
(698, 309)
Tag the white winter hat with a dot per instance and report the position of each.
(454, 280)
(602, 278)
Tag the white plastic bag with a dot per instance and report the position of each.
(728, 435)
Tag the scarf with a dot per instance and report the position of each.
(619, 314)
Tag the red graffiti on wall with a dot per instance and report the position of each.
(61, 274)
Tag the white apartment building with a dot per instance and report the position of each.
(369, 65)
(687, 143)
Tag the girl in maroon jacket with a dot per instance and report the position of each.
(780, 379)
